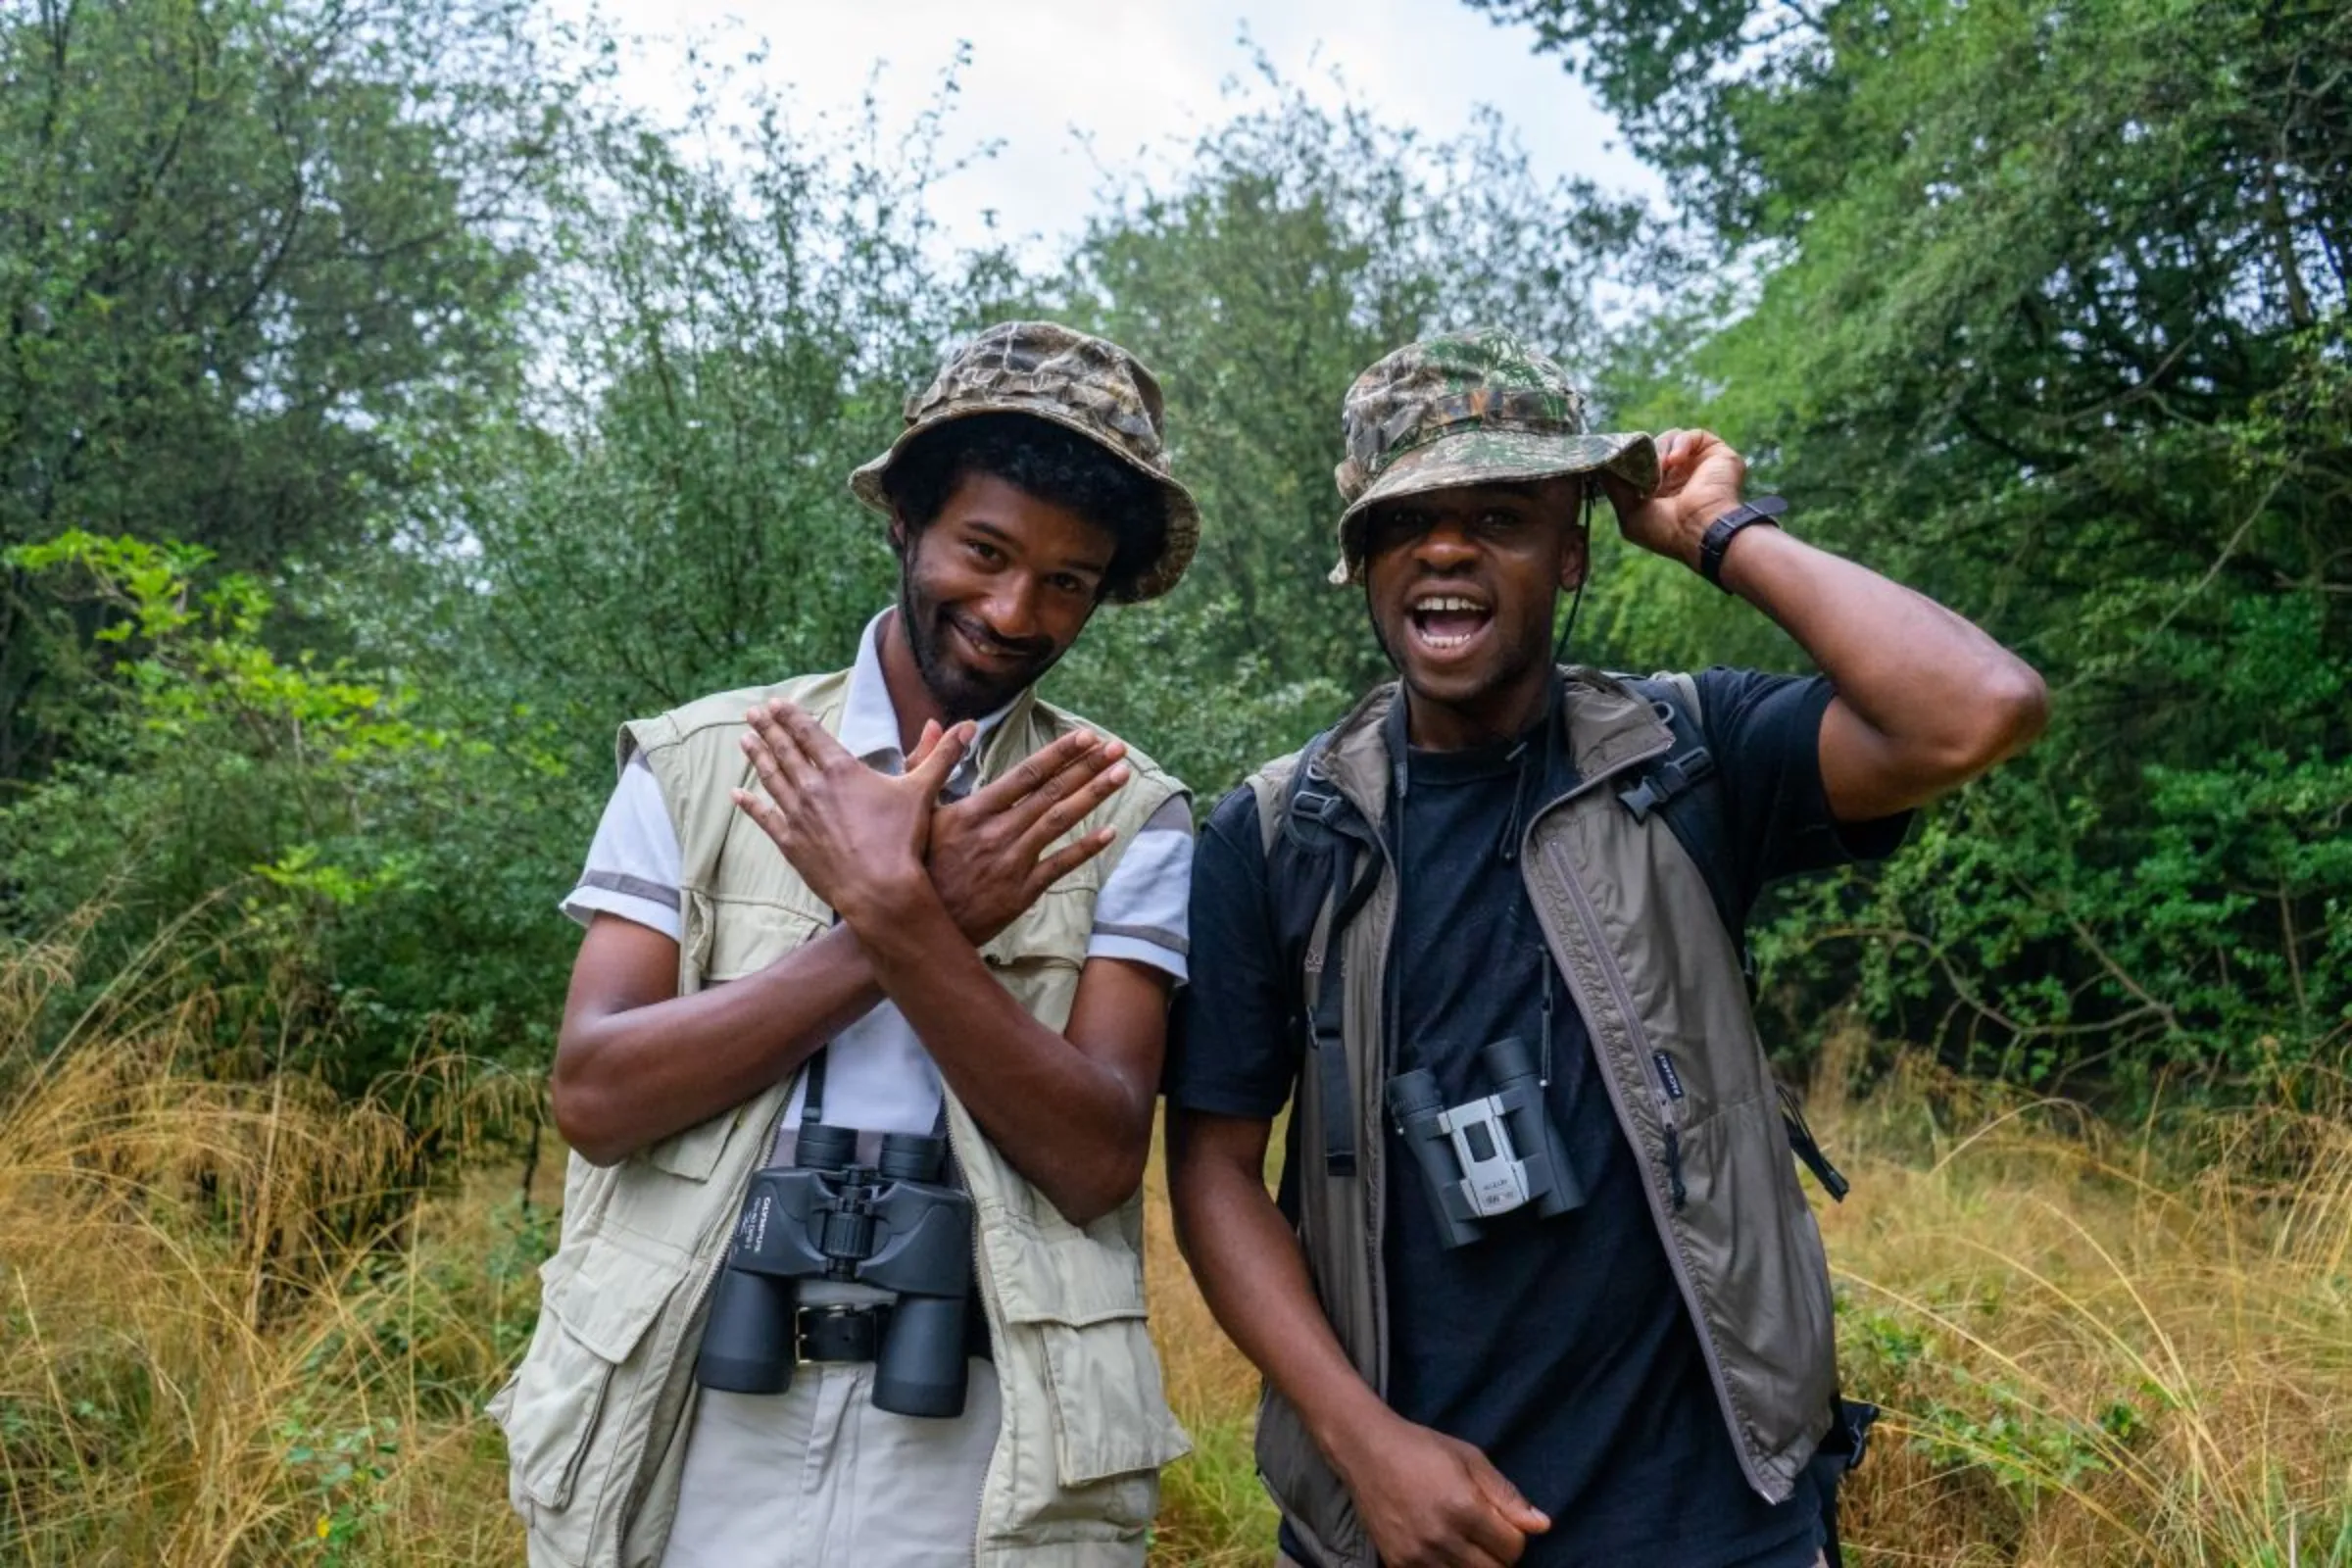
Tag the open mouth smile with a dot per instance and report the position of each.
(1445, 622)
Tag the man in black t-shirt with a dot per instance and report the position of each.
(1554, 1382)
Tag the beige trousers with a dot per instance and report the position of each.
(815, 1476)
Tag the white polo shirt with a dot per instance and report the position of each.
(878, 1077)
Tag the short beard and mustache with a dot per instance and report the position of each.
(961, 691)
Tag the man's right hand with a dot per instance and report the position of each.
(988, 856)
(1434, 1501)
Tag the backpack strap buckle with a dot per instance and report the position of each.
(1664, 782)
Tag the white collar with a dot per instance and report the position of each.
(869, 720)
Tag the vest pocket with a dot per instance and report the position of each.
(591, 1323)
(1079, 1304)
(746, 936)
(1753, 1241)
(694, 1153)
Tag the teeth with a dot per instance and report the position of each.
(1437, 642)
(1442, 602)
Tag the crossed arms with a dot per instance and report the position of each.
(918, 887)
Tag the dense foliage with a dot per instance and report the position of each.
(2048, 318)
(383, 416)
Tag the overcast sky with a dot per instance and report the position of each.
(1135, 78)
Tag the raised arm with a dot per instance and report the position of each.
(1926, 700)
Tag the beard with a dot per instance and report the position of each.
(963, 689)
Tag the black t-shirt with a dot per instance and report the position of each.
(1560, 1347)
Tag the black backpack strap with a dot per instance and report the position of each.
(1840, 1454)
(1317, 879)
(1684, 789)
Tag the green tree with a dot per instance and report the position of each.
(252, 266)
(2048, 314)
(1294, 247)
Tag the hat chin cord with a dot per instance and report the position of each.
(1575, 600)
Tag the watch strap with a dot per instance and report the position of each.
(1717, 540)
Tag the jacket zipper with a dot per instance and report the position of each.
(1589, 918)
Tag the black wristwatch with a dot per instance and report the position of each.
(1724, 530)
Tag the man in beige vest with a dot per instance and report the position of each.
(904, 901)
(1541, 1286)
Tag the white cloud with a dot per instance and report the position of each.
(1068, 88)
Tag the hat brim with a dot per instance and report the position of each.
(1183, 513)
(1493, 456)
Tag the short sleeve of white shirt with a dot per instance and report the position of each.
(635, 865)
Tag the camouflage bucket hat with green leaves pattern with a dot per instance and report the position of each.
(1065, 377)
(1464, 409)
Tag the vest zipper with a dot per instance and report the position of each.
(1668, 1113)
(980, 1279)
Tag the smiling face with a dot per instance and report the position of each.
(994, 590)
(1462, 584)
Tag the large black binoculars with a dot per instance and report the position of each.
(1489, 1155)
(891, 1225)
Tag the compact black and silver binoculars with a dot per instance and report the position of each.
(1487, 1156)
(892, 1225)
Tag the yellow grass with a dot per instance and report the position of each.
(227, 1336)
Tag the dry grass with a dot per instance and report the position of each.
(228, 1335)
(231, 1334)
(2100, 1345)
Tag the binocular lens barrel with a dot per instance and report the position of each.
(911, 1157)
(825, 1146)
(920, 1368)
(1413, 1094)
(1507, 1060)
(747, 1343)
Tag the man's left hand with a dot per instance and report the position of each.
(856, 836)
(1699, 479)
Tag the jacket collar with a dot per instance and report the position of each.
(1607, 726)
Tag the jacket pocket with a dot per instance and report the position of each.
(1763, 1278)
(1075, 1307)
(592, 1321)
(1303, 1485)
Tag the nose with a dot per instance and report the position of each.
(1012, 611)
(1445, 545)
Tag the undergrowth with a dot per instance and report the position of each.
(239, 1326)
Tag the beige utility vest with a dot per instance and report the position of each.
(1634, 932)
(596, 1416)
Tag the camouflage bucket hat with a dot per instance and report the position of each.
(1468, 408)
(1067, 378)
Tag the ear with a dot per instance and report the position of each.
(1576, 554)
(898, 536)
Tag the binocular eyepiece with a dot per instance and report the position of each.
(1489, 1155)
(893, 1225)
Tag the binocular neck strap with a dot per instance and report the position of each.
(1398, 741)
(812, 1090)
(812, 1094)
